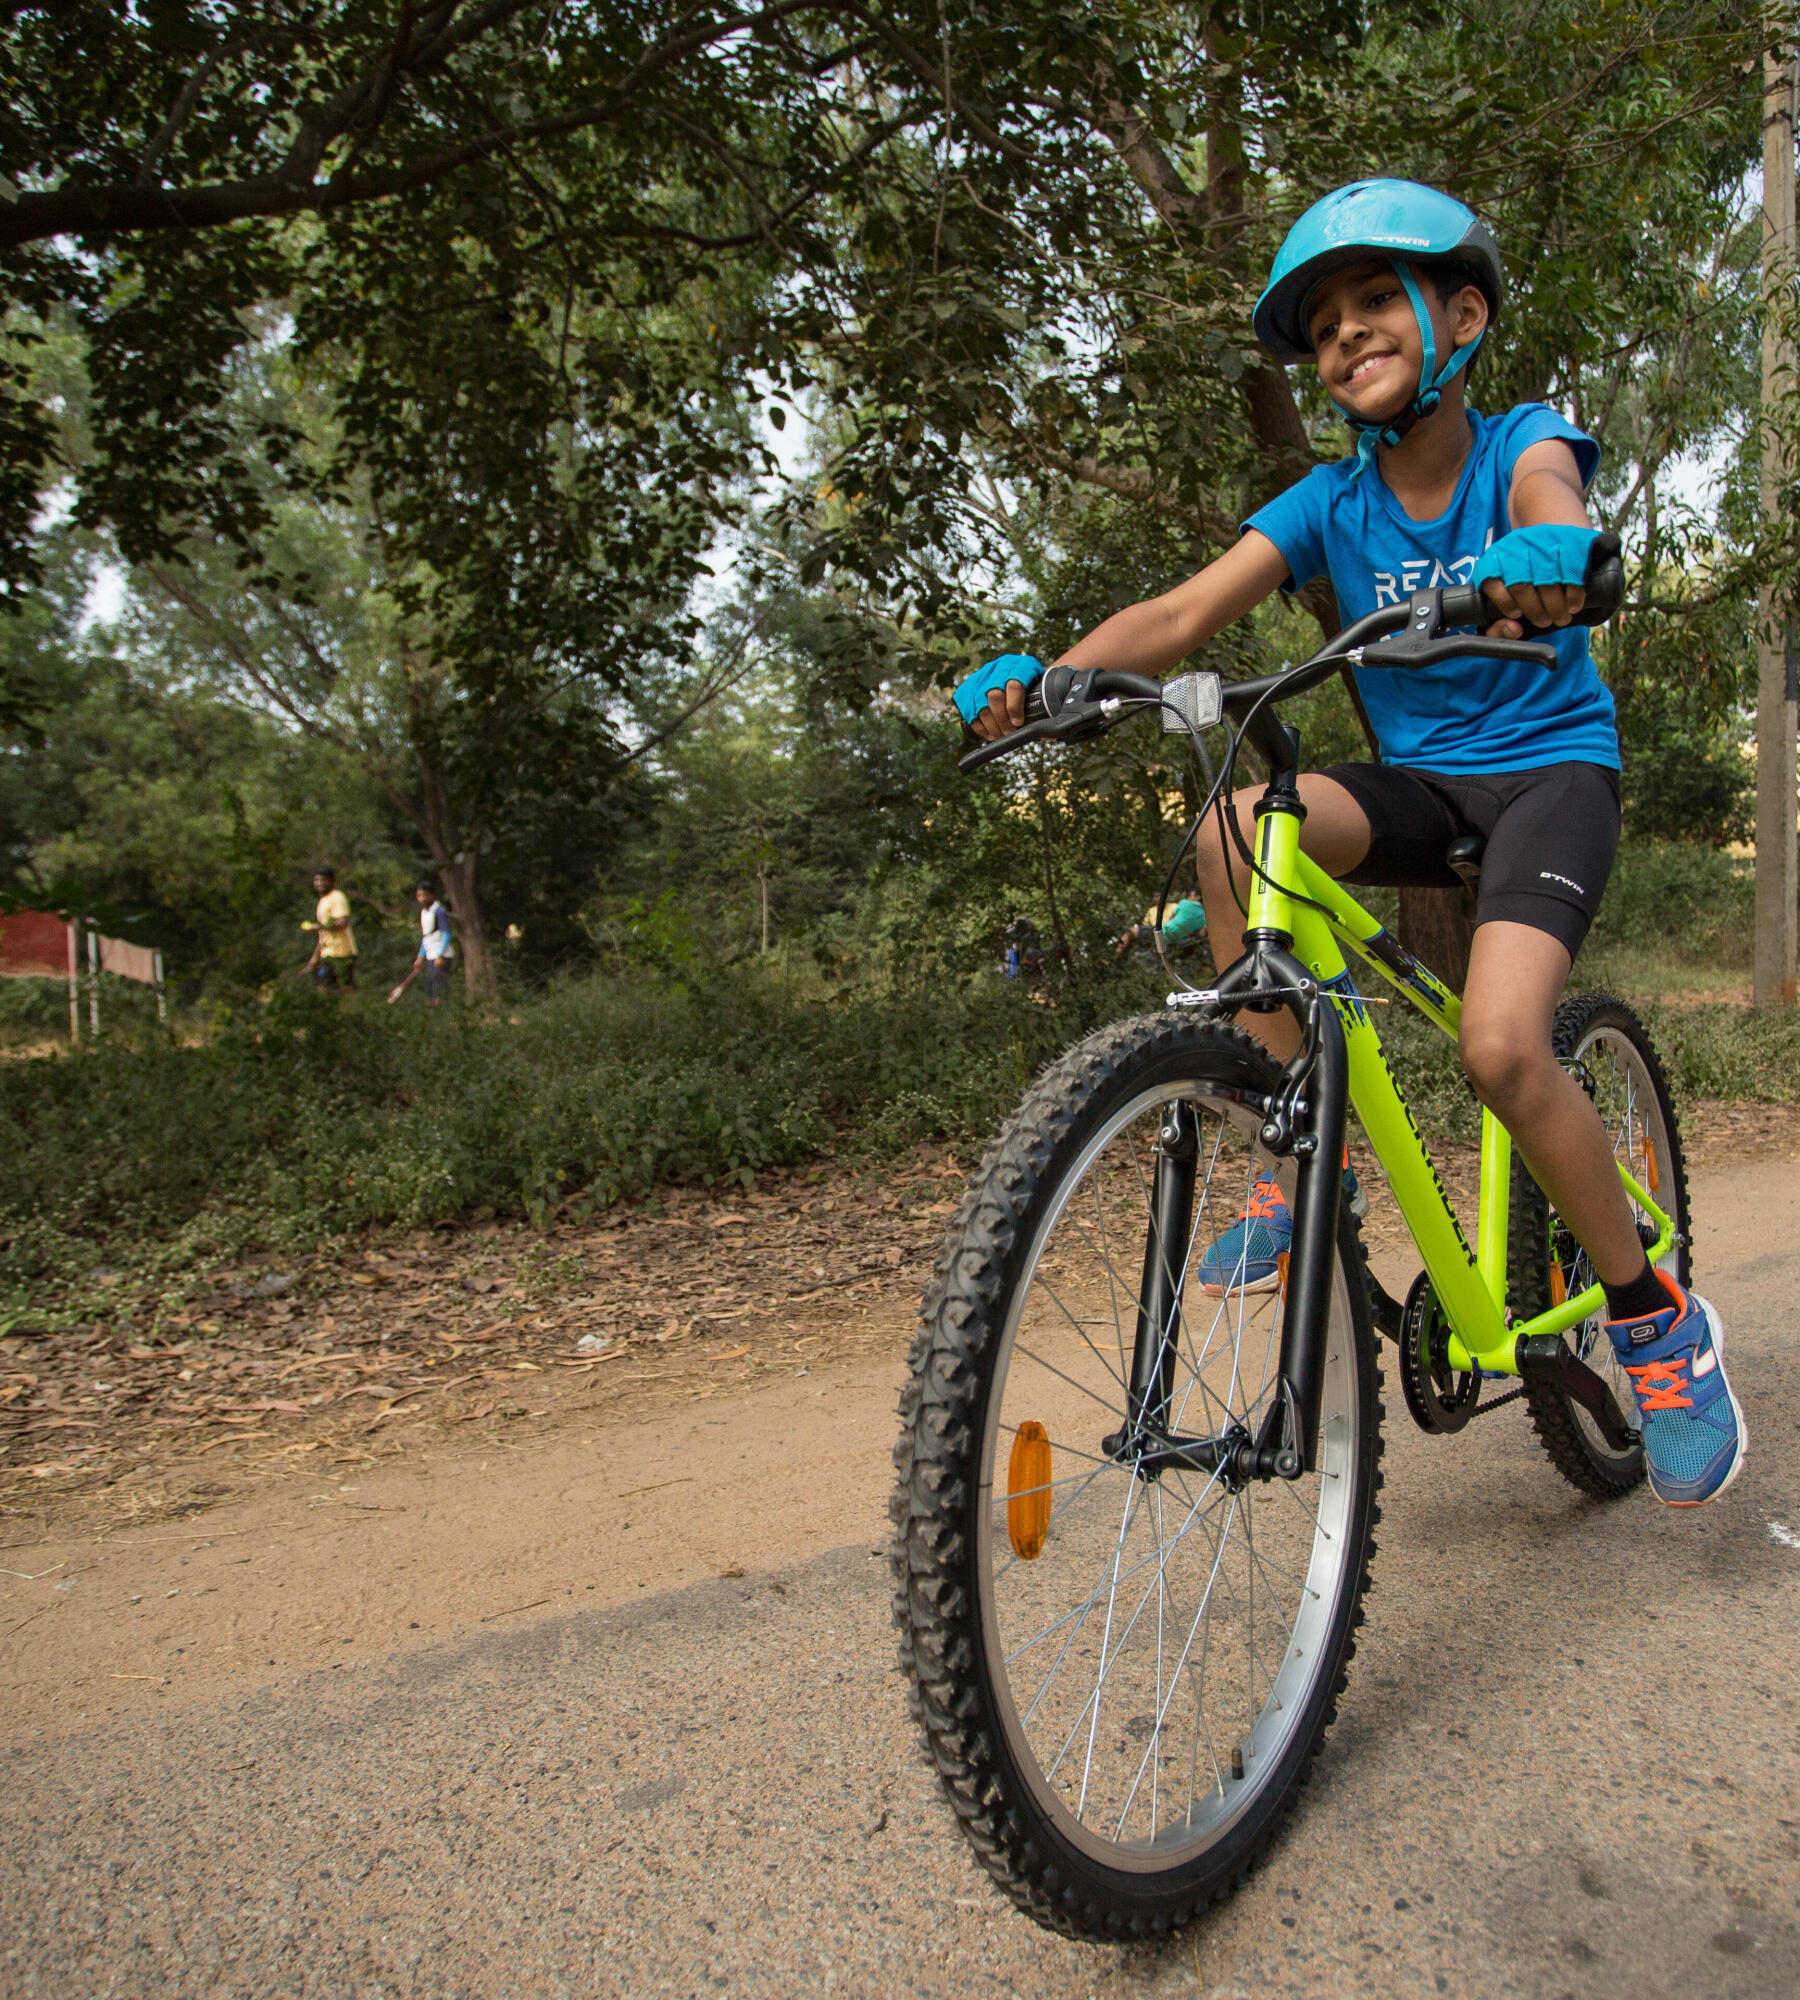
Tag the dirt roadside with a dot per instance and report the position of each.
(178, 1562)
(360, 1356)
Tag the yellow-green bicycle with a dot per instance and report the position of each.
(1137, 1500)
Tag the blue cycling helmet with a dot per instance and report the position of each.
(1405, 223)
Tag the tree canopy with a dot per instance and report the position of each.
(428, 356)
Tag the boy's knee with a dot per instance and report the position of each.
(1503, 1059)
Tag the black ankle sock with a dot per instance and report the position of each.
(1640, 1298)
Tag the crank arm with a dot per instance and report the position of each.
(1544, 1358)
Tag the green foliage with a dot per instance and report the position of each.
(1679, 903)
(1686, 775)
(1728, 1051)
(176, 820)
(453, 190)
(296, 1122)
(315, 1116)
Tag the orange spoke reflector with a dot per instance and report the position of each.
(1281, 1271)
(1559, 1285)
(1028, 1491)
(1653, 1177)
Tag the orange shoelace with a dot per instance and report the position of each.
(1266, 1199)
(1659, 1386)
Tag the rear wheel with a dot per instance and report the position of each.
(1123, 1675)
(1608, 1049)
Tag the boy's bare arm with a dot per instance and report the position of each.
(1546, 488)
(1152, 637)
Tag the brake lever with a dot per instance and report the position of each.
(1407, 650)
(1003, 746)
(1422, 642)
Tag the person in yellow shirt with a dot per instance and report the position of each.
(333, 962)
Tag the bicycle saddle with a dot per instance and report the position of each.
(1463, 857)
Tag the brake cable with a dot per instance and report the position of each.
(1228, 818)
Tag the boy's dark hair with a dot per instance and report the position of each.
(1447, 279)
(430, 888)
(325, 869)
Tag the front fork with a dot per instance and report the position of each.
(1310, 1118)
(1304, 1116)
(1158, 1333)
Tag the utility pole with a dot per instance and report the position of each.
(1777, 858)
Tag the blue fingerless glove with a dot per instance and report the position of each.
(971, 696)
(1549, 553)
(1184, 920)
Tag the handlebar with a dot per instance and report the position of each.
(1072, 704)
(1068, 705)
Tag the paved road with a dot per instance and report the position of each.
(1568, 1764)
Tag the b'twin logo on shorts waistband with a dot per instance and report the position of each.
(1546, 875)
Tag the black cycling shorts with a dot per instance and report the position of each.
(1551, 836)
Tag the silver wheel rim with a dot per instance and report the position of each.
(1152, 1666)
(1629, 1109)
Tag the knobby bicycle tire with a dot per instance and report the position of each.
(1544, 1262)
(1061, 1870)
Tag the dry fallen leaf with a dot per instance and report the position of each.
(367, 1278)
(732, 1354)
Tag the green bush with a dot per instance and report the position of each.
(316, 1117)
(1729, 1052)
(313, 1117)
(1688, 903)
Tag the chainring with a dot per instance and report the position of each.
(1439, 1400)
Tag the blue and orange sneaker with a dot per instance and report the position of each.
(1247, 1258)
(1255, 1244)
(1694, 1435)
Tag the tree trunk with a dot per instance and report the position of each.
(455, 863)
(471, 932)
(1438, 926)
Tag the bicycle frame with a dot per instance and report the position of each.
(1470, 1286)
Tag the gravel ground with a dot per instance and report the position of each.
(1568, 1764)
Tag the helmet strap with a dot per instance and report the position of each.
(1432, 381)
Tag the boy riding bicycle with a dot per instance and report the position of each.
(1374, 283)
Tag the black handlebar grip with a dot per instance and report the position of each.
(1605, 583)
(1463, 606)
(1603, 591)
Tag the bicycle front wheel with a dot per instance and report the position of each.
(1123, 1674)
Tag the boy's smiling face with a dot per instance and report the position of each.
(1365, 336)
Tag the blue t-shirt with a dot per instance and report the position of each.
(1463, 714)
